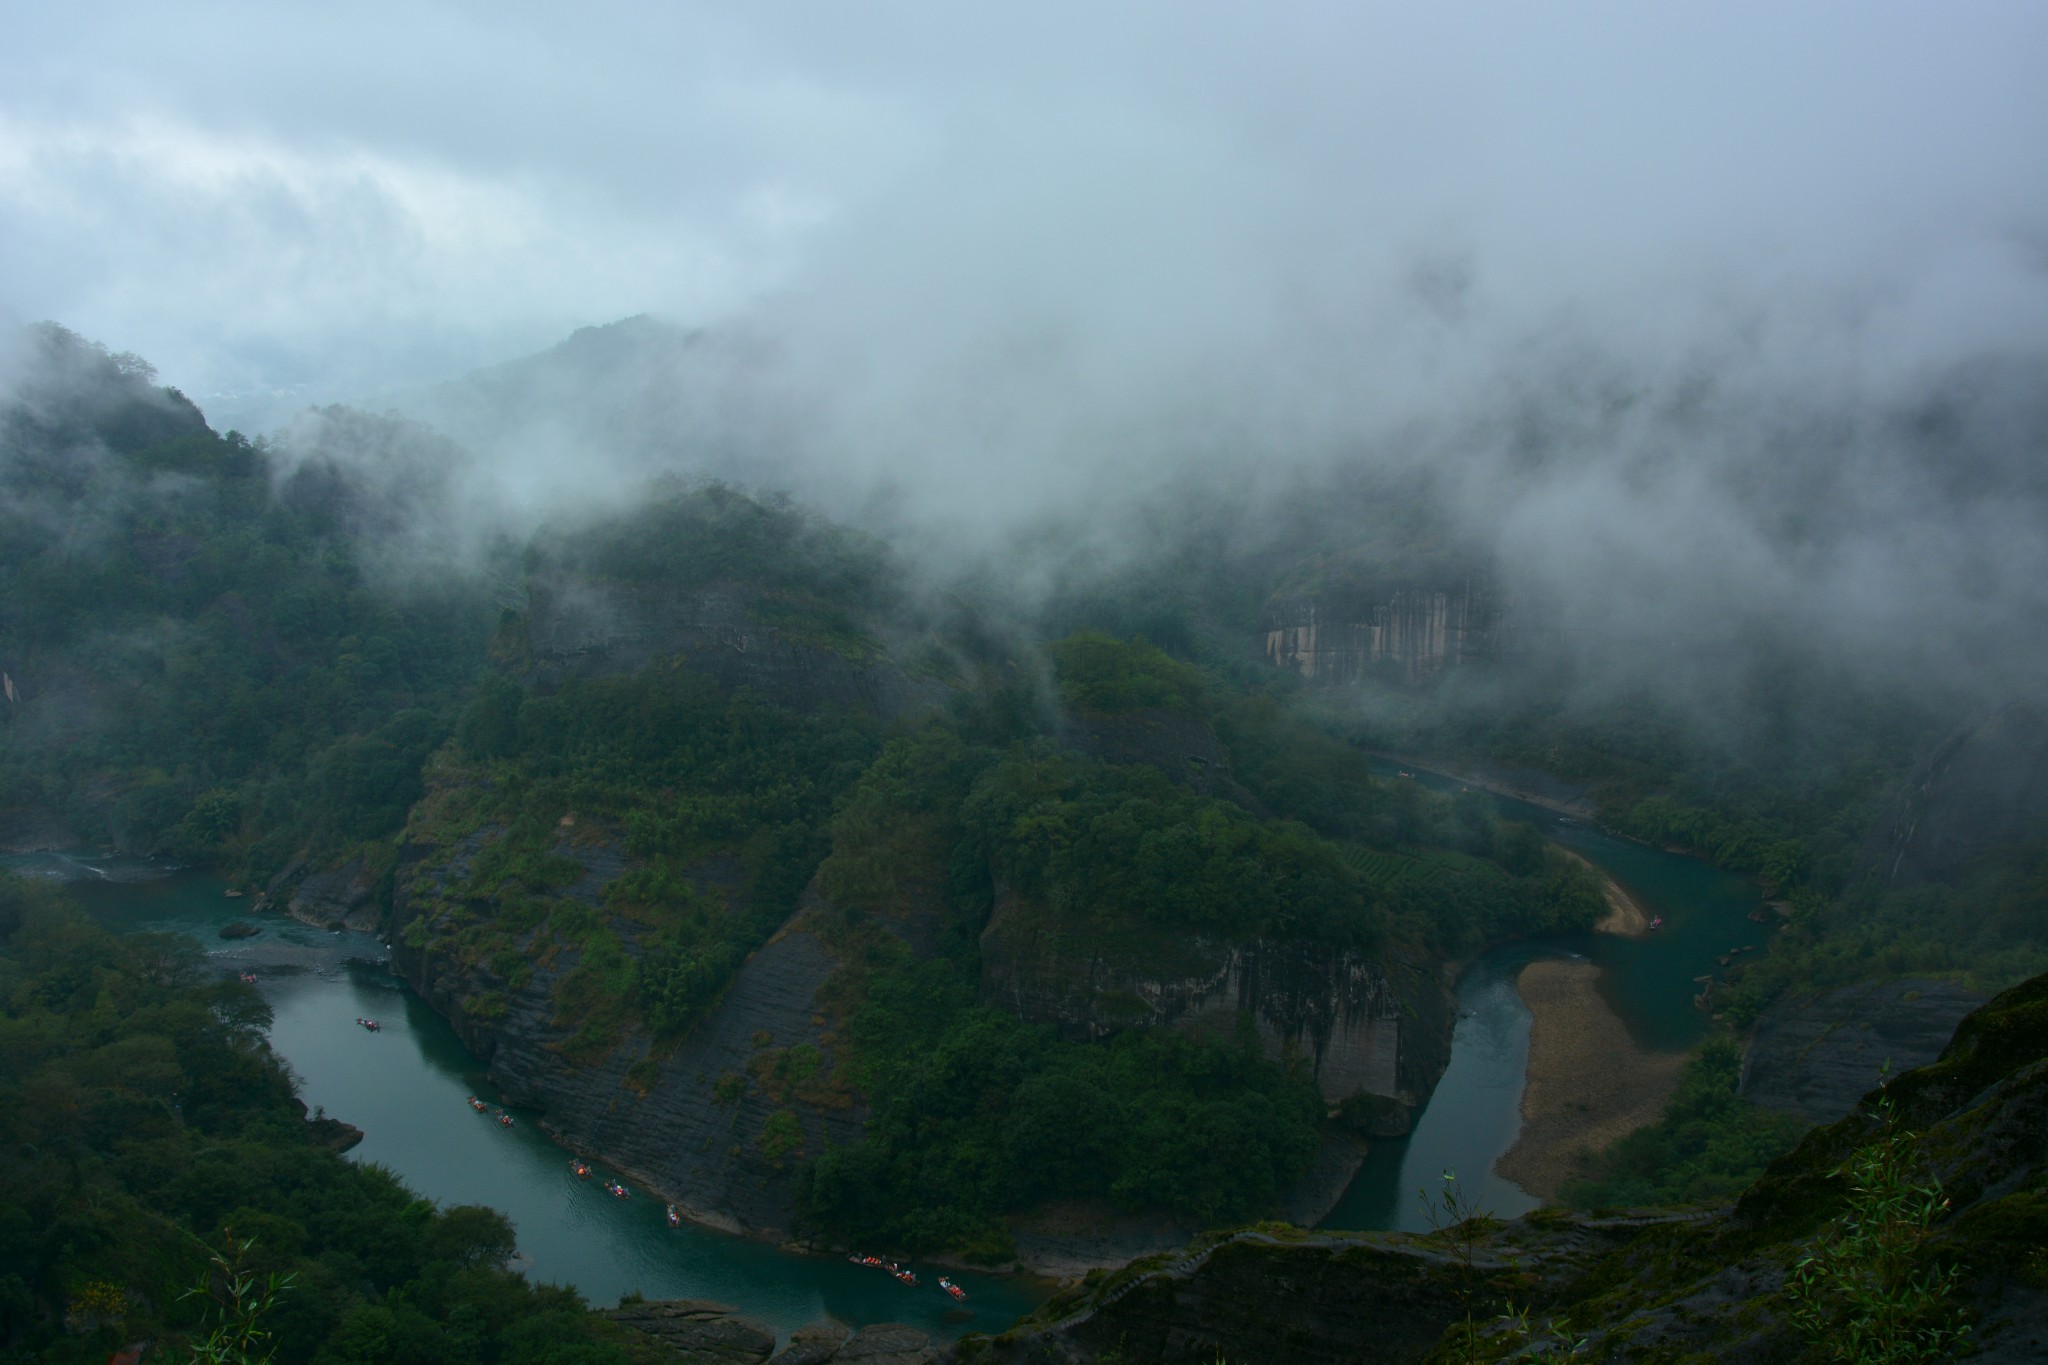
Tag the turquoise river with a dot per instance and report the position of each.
(406, 1086)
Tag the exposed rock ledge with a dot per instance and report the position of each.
(703, 1333)
(1815, 1055)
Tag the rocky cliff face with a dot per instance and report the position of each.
(695, 1120)
(1817, 1055)
(695, 1332)
(1983, 787)
(1404, 632)
(1366, 1029)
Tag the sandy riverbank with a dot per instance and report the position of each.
(1624, 915)
(1589, 1082)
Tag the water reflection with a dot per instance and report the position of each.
(1474, 1115)
(407, 1086)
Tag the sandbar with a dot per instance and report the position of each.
(1624, 915)
(1589, 1083)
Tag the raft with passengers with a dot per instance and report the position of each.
(903, 1273)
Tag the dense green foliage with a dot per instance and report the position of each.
(1708, 1144)
(1989, 931)
(207, 660)
(146, 1123)
(977, 1115)
(690, 776)
(1098, 672)
(1130, 847)
(816, 582)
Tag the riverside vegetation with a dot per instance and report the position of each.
(644, 744)
(152, 1144)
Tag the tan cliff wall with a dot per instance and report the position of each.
(1406, 632)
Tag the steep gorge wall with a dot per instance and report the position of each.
(1367, 1026)
(1407, 632)
(690, 1119)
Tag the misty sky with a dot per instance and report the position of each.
(362, 195)
(1740, 308)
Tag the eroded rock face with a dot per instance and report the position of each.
(1344, 1012)
(1984, 787)
(343, 897)
(1817, 1055)
(696, 1331)
(1406, 631)
(693, 1125)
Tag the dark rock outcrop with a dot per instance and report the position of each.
(1984, 787)
(239, 929)
(344, 897)
(696, 1332)
(1817, 1055)
(812, 1345)
(690, 1119)
(333, 1134)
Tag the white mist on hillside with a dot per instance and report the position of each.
(1714, 325)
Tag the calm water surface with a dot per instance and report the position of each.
(406, 1087)
(1475, 1113)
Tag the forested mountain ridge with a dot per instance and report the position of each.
(827, 900)
(654, 775)
(205, 659)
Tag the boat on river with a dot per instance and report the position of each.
(504, 1120)
(955, 1290)
(617, 1190)
(477, 1104)
(675, 1219)
(580, 1169)
(369, 1024)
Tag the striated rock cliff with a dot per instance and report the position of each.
(1816, 1055)
(1404, 632)
(1983, 787)
(1364, 1028)
(698, 1120)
